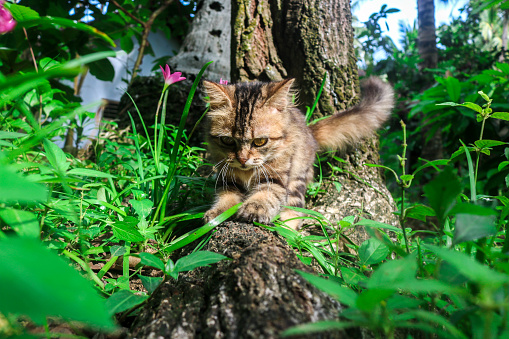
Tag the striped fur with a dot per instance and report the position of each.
(265, 151)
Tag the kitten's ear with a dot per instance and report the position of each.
(280, 94)
(218, 95)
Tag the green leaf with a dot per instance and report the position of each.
(406, 177)
(102, 70)
(372, 251)
(150, 283)
(500, 115)
(484, 96)
(86, 172)
(471, 105)
(149, 259)
(466, 208)
(53, 289)
(488, 143)
(453, 87)
(124, 231)
(390, 273)
(22, 13)
(124, 300)
(142, 207)
(442, 192)
(56, 156)
(472, 227)
(117, 251)
(198, 233)
(469, 267)
(15, 188)
(24, 223)
(351, 276)
(319, 326)
(57, 23)
(419, 212)
(369, 299)
(377, 224)
(11, 135)
(198, 259)
(342, 294)
(126, 43)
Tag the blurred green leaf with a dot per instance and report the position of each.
(56, 156)
(87, 172)
(53, 288)
(442, 192)
(472, 227)
(342, 294)
(15, 188)
(469, 267)
(24, 223)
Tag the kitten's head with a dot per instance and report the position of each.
(247, 122)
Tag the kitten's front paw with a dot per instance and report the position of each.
(211, 214)
(255, 211)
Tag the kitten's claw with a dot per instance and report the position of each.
(211, 214)
(254, 211)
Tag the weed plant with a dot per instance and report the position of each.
(56, 209)
(449, 282)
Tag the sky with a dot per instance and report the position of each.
(408, 13)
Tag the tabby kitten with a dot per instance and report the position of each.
(265, 151)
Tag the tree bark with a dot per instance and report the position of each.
(209, 39)
(256, 295)
(432, 149)
(427, 36)
(305, 40)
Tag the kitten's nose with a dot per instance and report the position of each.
(242, 160)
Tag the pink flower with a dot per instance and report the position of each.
(7, 22)
(170, 78)
(223, 82)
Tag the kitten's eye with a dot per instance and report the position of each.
(229, 141)
(260, 142)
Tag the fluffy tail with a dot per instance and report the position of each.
(345, 128)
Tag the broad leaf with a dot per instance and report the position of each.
(149, 259)
(469, 267)
(53, 288)
(124, 231)
(150, 283)
(24, 223)
(124, 300)
(15, 188)
(472, 227)
(343, 294)
(442, 192)
(56, 156)
(372, 251)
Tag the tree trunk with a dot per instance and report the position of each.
(432, 149)
(255, 295)
(258, 294)
(209, 39)
(305, 40)
(427, 35)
